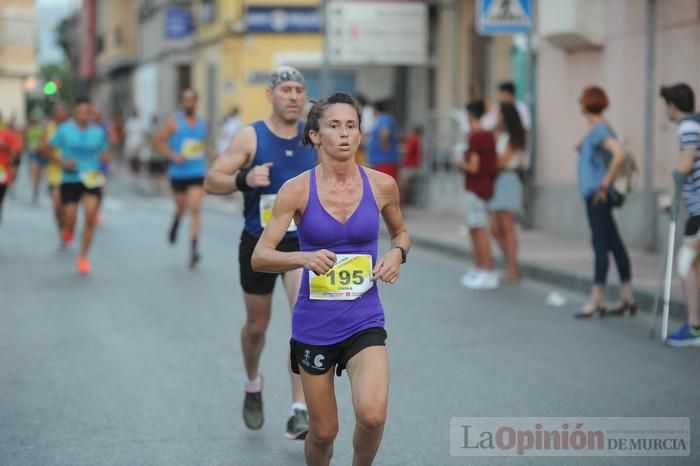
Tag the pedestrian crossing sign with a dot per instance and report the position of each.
(504, 16)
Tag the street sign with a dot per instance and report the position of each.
(505, 17)
(282, 19)
(178, 23)
(377, 32)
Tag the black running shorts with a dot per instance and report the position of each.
(73, 192)
(692, 226)
(180, 186)
(254, 282)
(317, 360)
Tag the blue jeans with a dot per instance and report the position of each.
(605, 238)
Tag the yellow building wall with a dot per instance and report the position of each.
(282, 3)
(259, 53)
(238, 56)
(119, 16)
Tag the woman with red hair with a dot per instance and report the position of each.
(600, 155)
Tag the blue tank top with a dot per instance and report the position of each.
(190, 142)
(327, 322)
(289, 158)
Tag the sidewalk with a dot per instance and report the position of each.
(544, 257)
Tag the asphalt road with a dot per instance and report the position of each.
(139, 363)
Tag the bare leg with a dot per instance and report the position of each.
(323, 417)
(475, 249)
(180, 204)
(195, 194)
(258, 310)
(36, 180)
(510, 235)
(70, 213)
(180, 198)
(691, 289)
(292, 281)
(57, 208)
(92, 206)
(498, 233)
(482, 244)
(369, 379)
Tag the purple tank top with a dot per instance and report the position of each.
(319, 322)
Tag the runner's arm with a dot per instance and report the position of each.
(387, 268)
(160, 144)
(221, 177)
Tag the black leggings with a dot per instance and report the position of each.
(604, 238)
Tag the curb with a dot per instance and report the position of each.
(551, 275)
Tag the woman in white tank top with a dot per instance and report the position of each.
(507, 201)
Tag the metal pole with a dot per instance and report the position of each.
(530, 98)
(325, 62)
(649, 122)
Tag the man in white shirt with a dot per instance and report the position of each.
(506, 93)
(231, 125)
(135, 140)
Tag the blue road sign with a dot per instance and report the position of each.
(504, 16)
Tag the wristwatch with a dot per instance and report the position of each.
(404, 253)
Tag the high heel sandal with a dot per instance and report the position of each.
(622, 308)
(596, 308)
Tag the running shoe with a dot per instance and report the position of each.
(253, 410)
(83, 265)
(172, 234)
(298, 425)
(686, 336)
(194, 258)
(67, 236)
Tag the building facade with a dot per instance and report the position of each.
(605, 43)
(17, 56)
(115, 55)
(165, 53)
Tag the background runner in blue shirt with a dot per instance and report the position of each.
(83, 147)
(183, 141)
(258, 161)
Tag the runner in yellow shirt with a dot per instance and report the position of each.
(54, 171)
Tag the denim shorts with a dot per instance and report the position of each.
(477, 211)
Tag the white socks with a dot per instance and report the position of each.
(254, 386)
(297, 405)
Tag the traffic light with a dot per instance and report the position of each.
(50, 88)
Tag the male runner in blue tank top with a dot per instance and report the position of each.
(183, 141)
(338, 320)
(260, 158)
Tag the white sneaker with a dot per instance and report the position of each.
(469, 277)
(485, 280)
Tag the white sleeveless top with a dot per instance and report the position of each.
(517, 161)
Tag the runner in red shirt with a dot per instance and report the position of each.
(10, 149)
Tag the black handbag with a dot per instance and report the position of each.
(615, 198)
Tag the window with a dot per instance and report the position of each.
(207, 13)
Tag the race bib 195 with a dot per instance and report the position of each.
(266, 203)
(192, 149)
(350, 278)
(93, 179)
